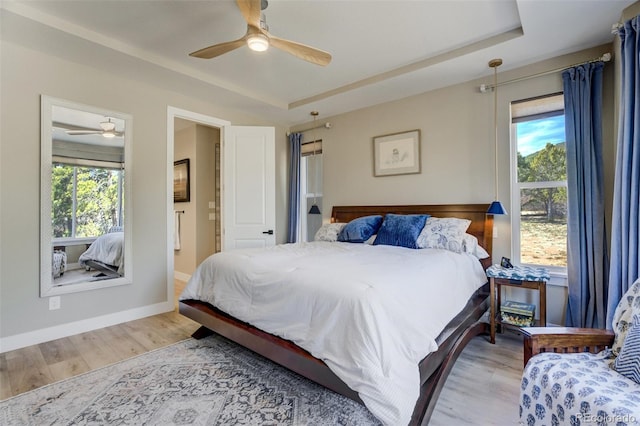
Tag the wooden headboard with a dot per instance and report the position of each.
(481, 223)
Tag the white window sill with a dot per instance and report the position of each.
(72, 241)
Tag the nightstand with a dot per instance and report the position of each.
(518, 276)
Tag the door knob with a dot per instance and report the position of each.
(269, 232)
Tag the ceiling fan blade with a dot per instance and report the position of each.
(308, 53)
(84, 132)
(218, 49)
(251, 10)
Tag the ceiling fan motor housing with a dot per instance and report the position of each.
(263, 22)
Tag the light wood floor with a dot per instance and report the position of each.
(483, 388)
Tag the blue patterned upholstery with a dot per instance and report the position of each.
(59, 263)
(627, 307)
(526, 273)
(577, 389)
(628, 362)
(584, 388)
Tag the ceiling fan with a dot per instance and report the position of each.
(107, 129)
(259, 39)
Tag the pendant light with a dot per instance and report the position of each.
(495, 207)
(314, 207)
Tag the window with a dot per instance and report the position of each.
(539, 182)
(310, 189)
(87, 201)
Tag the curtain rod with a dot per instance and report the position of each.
(489, 87)
(326, 125)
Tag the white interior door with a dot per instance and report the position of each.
(248, 190)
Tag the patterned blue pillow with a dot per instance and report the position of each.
(360, 230)
(401, 230)
(444, 233)
(628, 362)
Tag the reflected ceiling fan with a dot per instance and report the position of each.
(107, 129)
(259, 39)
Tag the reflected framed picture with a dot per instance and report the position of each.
(181, 185)
(396, 154)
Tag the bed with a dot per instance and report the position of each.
(448, 341)
(105, 255)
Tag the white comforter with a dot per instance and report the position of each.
(371, 313)
(108, 249)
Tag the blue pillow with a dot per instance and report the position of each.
(401, 230)
(628, 362)
(360, 230)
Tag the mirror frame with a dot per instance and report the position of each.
(47, 289)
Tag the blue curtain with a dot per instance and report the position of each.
(587, 265)
(625, 228)
(295, 142)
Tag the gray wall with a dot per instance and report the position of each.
(184, 260)
(457, 166)
(25, 75)
(205, 191)
(197, 232)
(457, 148)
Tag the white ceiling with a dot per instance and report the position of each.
(382, 49)
(73, 119)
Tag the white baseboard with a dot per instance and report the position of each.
(64, 330)
(181, 276)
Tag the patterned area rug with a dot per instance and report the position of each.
(207, 382)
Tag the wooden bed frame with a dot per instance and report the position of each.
(434, 368)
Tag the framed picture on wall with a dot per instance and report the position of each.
(181, 182)
(396, 154)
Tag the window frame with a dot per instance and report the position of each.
(74, 238)
(516, 187)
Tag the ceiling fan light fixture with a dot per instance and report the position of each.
(108, 126)
(258, 42)
(109, 134)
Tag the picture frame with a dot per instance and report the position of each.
(181, 181)
(396, 153)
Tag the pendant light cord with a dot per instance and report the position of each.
(315, 160)
(495, 63)
(495, 207)
(314, 207)
(495, 122)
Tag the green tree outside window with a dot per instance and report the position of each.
(95, 192)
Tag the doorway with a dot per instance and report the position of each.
(194, 221)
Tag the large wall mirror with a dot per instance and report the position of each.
(85, 198)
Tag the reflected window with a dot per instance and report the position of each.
(310, 189)
(87, 201)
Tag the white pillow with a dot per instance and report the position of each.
(329, 232)
(371, 239)
(443, 233)
(470, 245)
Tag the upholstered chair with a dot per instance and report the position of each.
(578, 376)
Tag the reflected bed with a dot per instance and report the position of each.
(106, 255)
